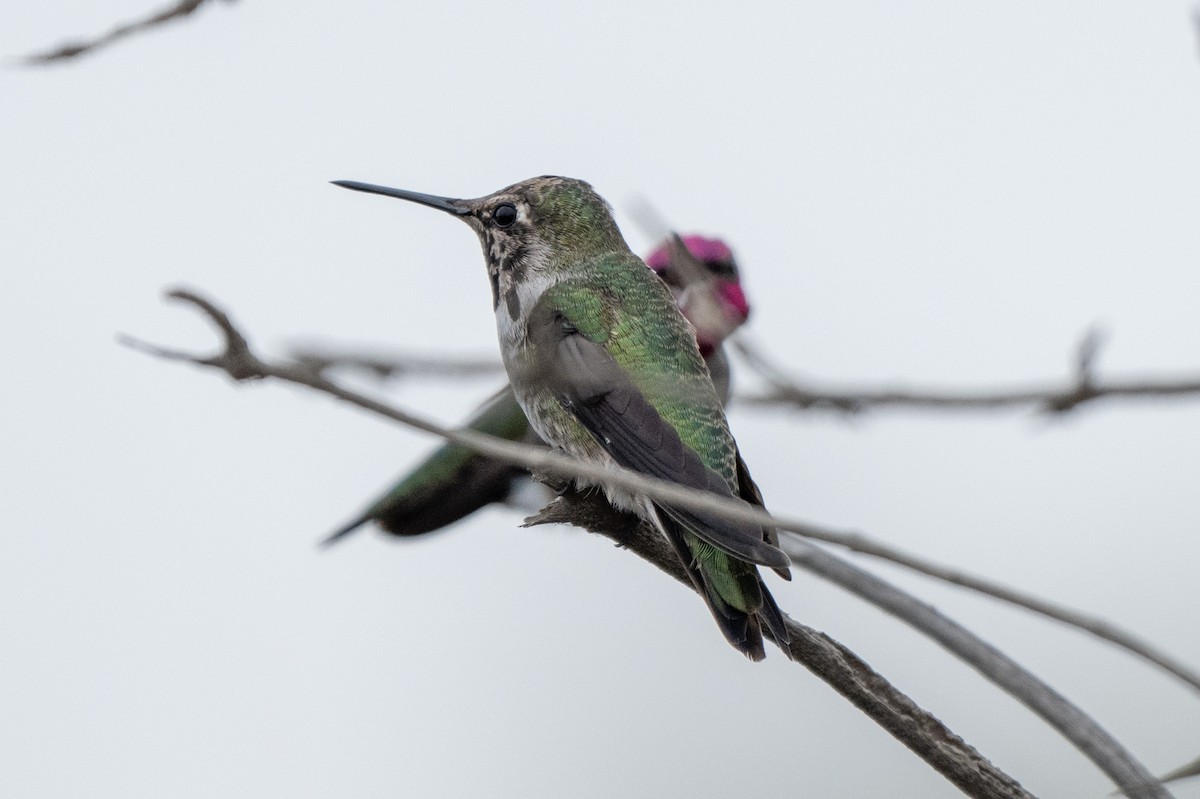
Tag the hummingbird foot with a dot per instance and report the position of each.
(559, 485)
(588, 508)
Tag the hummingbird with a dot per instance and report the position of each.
(704, 279)
(606, 369)
(453, 482)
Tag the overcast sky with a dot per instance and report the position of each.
(936, 193)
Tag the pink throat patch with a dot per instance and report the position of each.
(733, 295)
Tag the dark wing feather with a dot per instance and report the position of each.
(598, 392)
(750, 492)
(740, 629)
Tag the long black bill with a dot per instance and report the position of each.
(446, 204)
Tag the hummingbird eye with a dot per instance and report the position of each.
(504, 215)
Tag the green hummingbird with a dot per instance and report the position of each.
(607, 369)
(453, 482)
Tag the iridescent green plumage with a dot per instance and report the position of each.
(629, 317)
(633, 316)
(607, 369)
(453, 482)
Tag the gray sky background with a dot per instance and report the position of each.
(943, 193)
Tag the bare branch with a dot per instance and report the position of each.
(385, 366)
(1095, 743)
(1086, 354)
(1196, 25)
(593, 513)
(785, 390)
(1074, 725)
(1186, 771)
(829, 660)
(236, 359)
(647, 218)
(71, 50)
(1098, 627)
(1191, 769)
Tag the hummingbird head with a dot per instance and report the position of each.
(703, 277)
(533, 228)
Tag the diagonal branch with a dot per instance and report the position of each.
(241, 364)
(1098, 627)
(829, 660)
(1084, 387)
(1055, 709)
(918, 730)
(70, 50)
(594, 514)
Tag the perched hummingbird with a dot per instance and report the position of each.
(454, 482)
(607, 369)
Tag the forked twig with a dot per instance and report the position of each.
(72, 50)
(1084, 387)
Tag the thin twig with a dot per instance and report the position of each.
(1191, 769)
(241, 364)
(1074, 725)
(1196, 26)
(72, 50)
(385, 366)
(1098, 627)
(785, 390)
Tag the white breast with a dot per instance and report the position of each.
(513, 330)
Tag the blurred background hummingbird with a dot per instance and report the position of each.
(607, 369)
(453, 482)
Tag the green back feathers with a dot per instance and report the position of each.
(615, 301)
(498, 418)
(572, 218)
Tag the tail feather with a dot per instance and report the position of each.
(773, 616)
(344, 530)
(449, 485)
(749, 491)
(451, 482)
(741, 627)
